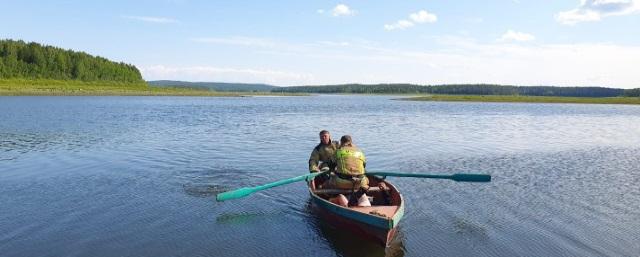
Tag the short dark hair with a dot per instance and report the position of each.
(322, 132)
(345, 140)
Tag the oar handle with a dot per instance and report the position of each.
(455, 177)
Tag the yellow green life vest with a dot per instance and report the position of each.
(350, 161)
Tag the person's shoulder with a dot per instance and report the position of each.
(318, 146)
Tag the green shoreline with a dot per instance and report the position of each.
(44, 87)
(525, 99)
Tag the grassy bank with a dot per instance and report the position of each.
(527, 99)
(16, 87)
(74, 87)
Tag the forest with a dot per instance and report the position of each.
(462, 89)
(21, 60)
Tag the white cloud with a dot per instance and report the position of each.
(320, 11)
(151, 19)
(596, 10)
(342, 10)
(421, 16)
(221, 74)
(401, 24)
(516, 36)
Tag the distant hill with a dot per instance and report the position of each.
(461, 89)
(21, 60)
(216, 86)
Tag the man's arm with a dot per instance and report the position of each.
(314, 159)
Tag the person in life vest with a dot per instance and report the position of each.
(350, 174)
(323, 154)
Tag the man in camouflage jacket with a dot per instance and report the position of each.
(323, 154)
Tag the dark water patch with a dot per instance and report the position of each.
(208, 182)
(204, 190)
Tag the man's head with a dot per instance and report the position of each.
(346, 141)
(325, 137)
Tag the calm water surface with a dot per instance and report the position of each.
(137, 176)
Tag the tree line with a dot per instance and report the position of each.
(462, 89)
(35, 61)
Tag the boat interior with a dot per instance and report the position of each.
(384, 197)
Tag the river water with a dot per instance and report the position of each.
(137, 176)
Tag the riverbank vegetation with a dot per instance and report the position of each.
(34, 87)
(21, 60)
(462, 89)
(215, 86)
(527, 99)
(75, 87)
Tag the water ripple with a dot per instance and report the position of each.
(137, 176)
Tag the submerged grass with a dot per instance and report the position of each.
(45, 87)
(527, 99)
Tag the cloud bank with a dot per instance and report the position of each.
(453, 60)
(596, 10)
(222, 74)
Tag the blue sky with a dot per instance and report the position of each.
(518, 42)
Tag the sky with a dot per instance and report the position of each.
(317, 42)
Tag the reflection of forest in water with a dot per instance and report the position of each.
(12, 145)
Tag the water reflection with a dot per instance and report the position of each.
(346, 243)
(240, 218)
(209, 182)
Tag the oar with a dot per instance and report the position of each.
(242, 192)
(454, 177)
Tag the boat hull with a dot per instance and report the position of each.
(377, 223)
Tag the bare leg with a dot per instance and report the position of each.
(340, 200)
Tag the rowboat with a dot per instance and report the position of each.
(376, 223)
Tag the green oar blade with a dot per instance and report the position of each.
(238, 193)
(471, 177)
